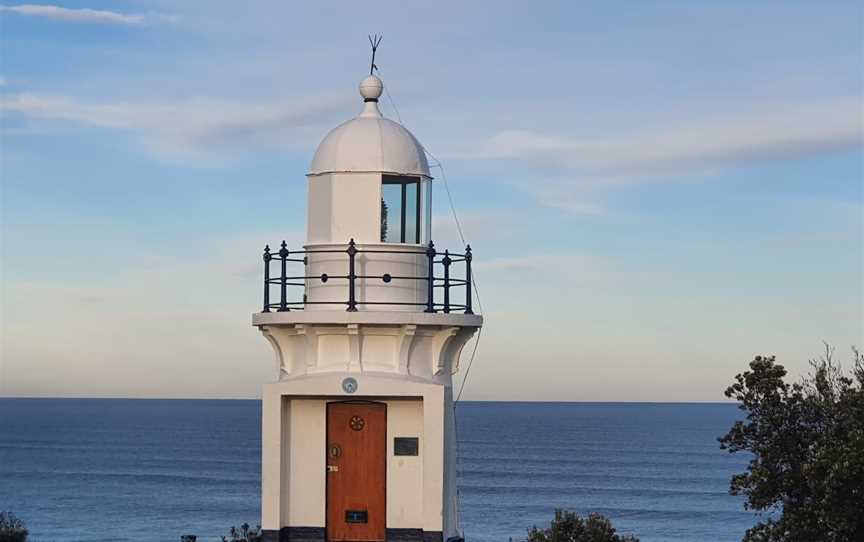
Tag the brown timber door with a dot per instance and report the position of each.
(356, 471)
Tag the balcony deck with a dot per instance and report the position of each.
(434, 285)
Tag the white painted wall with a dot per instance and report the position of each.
(343, 206)
(306, 447)
(294, 450)
(404, 473)
(320, 197)
(451, 504)
(368, 264)
(274, 464)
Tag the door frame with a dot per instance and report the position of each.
(327, 455)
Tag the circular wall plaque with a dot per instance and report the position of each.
(349, 385)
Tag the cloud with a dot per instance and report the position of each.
(571, 202)
(477, 226)
(543, 264)
(715, 143)
(80, 15)
(189, 127)
(165, 346)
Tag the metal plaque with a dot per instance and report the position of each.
(349, 385)
(406, 446)
(356, 516)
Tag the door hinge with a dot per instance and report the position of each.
(332, 468)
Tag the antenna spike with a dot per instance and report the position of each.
(374, 41)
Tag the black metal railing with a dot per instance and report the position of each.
(446, 282)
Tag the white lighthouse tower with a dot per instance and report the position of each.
(367, 321)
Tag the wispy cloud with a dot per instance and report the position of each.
(81, 15)
(194, 126)
(715, 143)
(572, 202)
(188, 316)
(581, 268)
(476, 226)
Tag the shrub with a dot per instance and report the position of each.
(567, 526)
(12, 529)
(243, 534)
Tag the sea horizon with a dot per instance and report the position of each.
(158, 468)
(529, 401)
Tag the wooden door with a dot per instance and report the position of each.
(356, 471)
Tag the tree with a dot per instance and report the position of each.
(12, 529)
(569, 527)
(807, 442)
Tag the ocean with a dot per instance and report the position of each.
(130, 470)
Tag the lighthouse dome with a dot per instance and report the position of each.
(370, 143)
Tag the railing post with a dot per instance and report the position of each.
(283, 280)
(267, 258)
(305, 282)
(446, 261)
(468, 309)
(430, 286)
(352, 276)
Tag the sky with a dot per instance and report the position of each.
(655, 192)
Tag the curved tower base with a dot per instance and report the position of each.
(358, 433)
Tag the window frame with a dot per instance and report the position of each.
(404, 181)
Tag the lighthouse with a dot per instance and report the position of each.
(367, 321)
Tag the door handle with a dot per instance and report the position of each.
(332, 468)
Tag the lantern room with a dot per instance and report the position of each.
(369, 181)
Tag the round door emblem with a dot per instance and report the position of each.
(349, 385)
(357, 423)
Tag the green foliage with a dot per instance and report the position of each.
(807, 441)
(569, 527)
(384, 224)
(12, 529)
(243, 534)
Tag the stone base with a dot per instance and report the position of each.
(319, 534)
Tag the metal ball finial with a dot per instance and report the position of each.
(371, 88)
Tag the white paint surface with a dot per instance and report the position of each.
(344, 206)
(404, 473)
(306, 447)
(370, 143)
(397, 353)
(294, 450)
(374, 265)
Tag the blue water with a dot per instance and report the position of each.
(113, 469)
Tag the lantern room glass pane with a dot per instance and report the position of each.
(402, 216)
(426, 210)
(412, 213)
(391, 213)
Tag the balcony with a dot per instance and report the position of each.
(395, 277)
